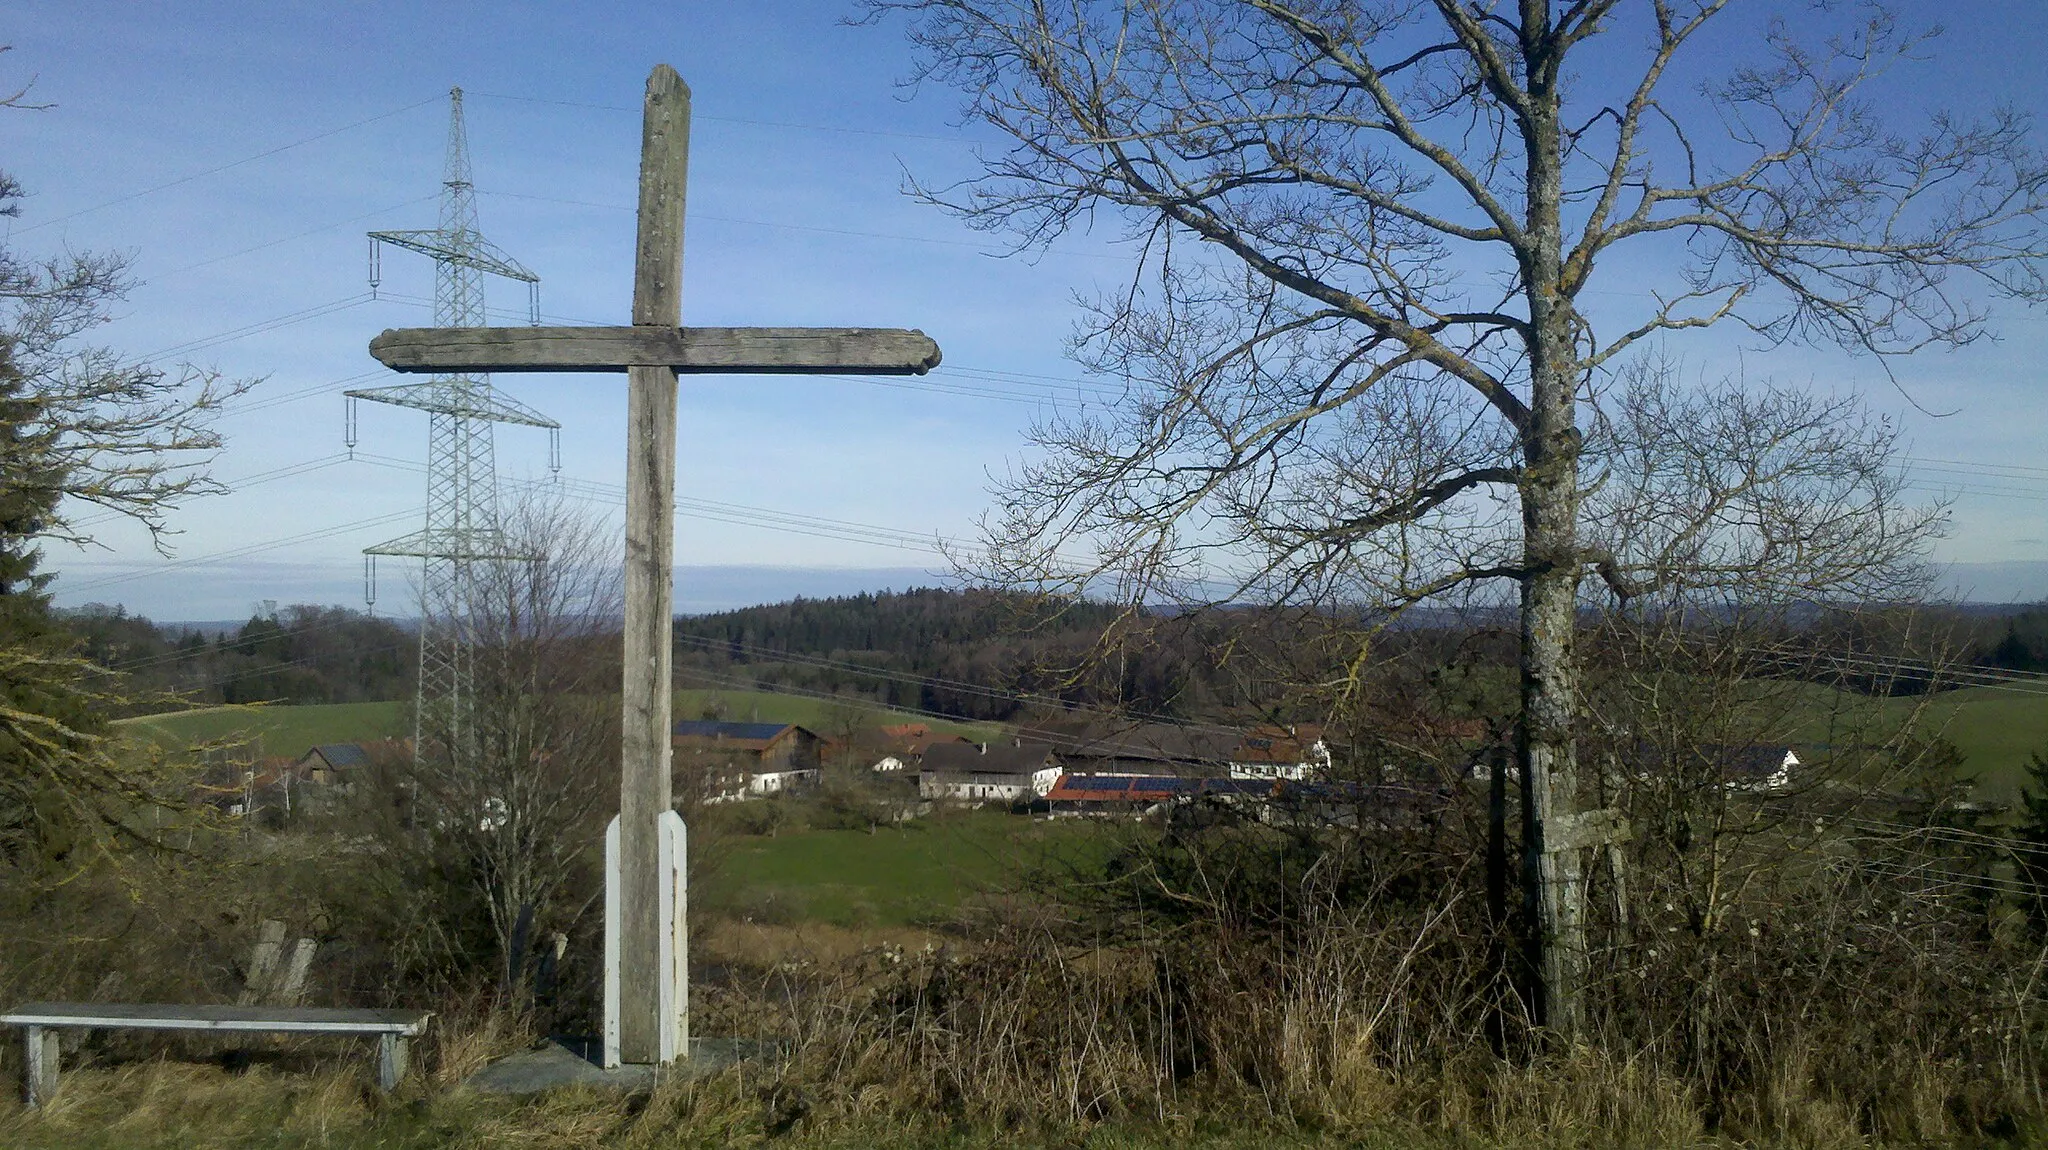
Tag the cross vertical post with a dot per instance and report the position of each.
(646, 963)
(644, 783)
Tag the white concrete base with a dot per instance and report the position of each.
(674, 992)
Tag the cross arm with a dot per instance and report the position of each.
(722, 350)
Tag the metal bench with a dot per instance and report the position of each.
(42, 1022)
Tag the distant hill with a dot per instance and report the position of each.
(962, 653)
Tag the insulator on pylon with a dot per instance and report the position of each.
(348, 425)
(555, 453)
(533, 303)
(370, 583)
(376, 266)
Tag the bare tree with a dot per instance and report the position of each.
(80, 425)
(522, 805)
(1362, 354)
(107, 430)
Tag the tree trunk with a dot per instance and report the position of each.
(1499, 955)
(1553, 877)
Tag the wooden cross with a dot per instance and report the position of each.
(651, 352)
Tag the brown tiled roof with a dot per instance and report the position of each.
(910, 739)
(1273, 744)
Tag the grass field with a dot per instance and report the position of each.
(917, 874)
(1995, 729)
(283, 731)
(291, 730)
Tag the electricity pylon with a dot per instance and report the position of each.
(462, 529)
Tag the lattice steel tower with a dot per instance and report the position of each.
(462, 529)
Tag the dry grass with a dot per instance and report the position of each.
(830, 1095)
(190, 1107)
(756, 944)
(164, 1104)
(1357, 1014)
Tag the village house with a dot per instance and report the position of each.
(331, 764)
(734, 761)
(236, 783)
(899, 748)
(1174, 750)
(978, 773)
(329, 770)
(1274, 752)
(1095, 747)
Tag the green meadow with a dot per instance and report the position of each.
(920, 873)
(289, 731)
(1996, 729)
(284, 731)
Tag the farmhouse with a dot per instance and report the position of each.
(1171, 750)
(1274, 752)
(899, 748)
(987, 772)
(332, 763)
(1125, 749)
(734, 761)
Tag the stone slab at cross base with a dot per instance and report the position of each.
(561, 1062)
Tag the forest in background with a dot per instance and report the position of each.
(975, 654)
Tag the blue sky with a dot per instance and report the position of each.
(164, 113)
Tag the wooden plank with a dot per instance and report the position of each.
(650, 555)
(178, 1016)
(733, 350)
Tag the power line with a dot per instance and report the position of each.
(257, 479)
(726, 119)
(240, 552)
(290, 238)
(232, 164)
(328, 388)
(2004, 470)
(708, 217)
(1929, 872)
(739, 514)
(259, 327)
